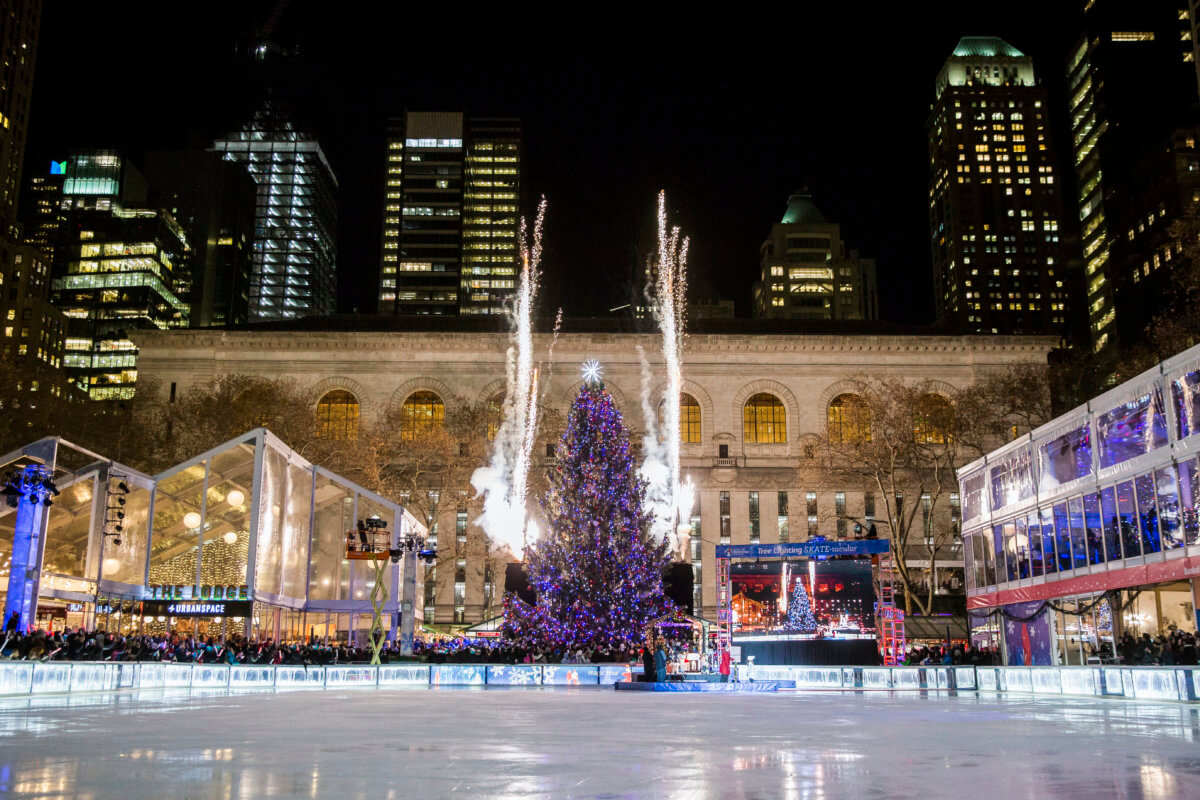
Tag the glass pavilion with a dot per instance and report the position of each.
(248, 537)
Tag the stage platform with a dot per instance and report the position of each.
(704, 686)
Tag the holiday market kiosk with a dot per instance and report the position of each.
(808, 603)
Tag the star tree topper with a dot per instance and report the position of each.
(592, 371)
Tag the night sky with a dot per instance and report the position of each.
(728, 115)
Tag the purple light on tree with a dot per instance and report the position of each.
(596, 570)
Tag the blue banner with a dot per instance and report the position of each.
(858, 547)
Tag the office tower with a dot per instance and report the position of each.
(33, 330)
(19, 23)
(806, 272)
(43, 212)
(120, 265)
(1131, 85)
(995, 206)
(451, 214)
(295, 247)
(214, 200)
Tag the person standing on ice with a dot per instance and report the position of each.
(648, 660)
(723, 666)
(660, 661)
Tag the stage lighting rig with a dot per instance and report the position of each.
(114, 508)
(34, 483)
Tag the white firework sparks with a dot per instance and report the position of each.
(505, 482)
(667, 494)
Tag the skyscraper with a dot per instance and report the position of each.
(33, 329)
(451, 214)
(295, 239)
(119, 265)
(19, 23)
(806, 272)
(995, 206)
(1130, 84)
(43, 207)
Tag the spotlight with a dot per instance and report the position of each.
(122, 487)
(120, 501)
(46, 501)
(117, 542)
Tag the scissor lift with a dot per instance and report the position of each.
(892, 643)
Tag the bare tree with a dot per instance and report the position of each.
(897, 440)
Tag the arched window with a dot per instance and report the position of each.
(495, 416)
(422, 412)
(933, 420)
(689, 419)
(849, 420)
(337, 415)
(764, 420)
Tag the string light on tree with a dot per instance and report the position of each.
(800, 613)
(597, 570)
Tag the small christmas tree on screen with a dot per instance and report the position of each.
(596, 569)
(800, 613)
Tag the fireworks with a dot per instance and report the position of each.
(505, 483)
(666, 494)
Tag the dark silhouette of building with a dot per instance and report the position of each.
(1131, 85)
(214, 200)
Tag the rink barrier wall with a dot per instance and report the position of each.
(24, 677)
(1179, 684)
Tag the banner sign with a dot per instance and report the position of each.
(197, 608)
(858, 547)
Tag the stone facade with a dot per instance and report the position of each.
(720, 371)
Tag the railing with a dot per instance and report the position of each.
(725, 462)
(19, 678)
(27, 677)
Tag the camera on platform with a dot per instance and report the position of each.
(375, 523)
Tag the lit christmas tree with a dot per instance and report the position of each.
(596, 570)
(800, 613)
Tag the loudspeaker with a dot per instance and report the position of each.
(678, 585)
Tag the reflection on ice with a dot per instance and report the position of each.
(545, 743)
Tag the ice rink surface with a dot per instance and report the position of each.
(592, 743)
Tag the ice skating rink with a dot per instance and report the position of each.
(592, 743)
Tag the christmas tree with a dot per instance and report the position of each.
(800, 613)
(596, 570)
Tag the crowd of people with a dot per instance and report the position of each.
(1176, 648)
(98, 645)
(957, 655)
